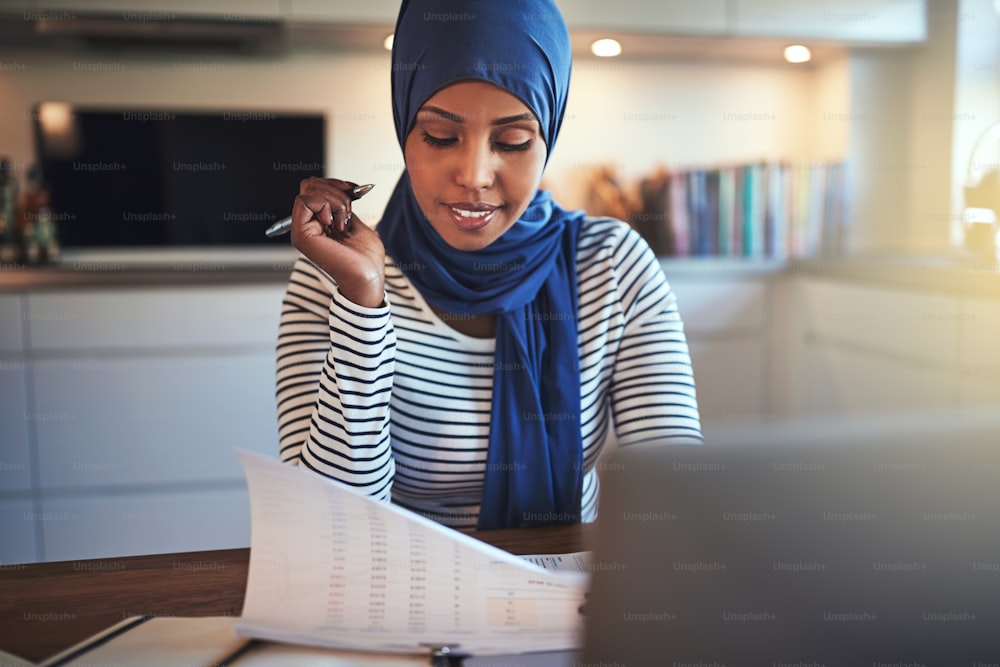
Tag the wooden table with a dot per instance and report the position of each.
(47, 607)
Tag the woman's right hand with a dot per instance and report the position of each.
(325, 230)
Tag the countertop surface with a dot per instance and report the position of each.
(955, 275)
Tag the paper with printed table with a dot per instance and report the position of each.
(330, 567)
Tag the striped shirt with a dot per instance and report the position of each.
(395, 403)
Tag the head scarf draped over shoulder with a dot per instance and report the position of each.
(534, 462)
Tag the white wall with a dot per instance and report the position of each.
(634, 116)
(977, 94)
(900, 141)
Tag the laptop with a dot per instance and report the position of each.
(873, 542)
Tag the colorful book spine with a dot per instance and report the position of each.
(726, 209)
(774, 209)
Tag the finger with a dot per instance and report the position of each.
(309, 208)
(345, 218)
(314, 185)
(341, 223)
(338, 201)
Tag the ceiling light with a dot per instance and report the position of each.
(797, 53)
(388, 42)
(606, 48)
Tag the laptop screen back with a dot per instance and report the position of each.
(823, 544)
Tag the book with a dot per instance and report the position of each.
(774, 209)
(205, 642)
(211, 641)
(332, 568)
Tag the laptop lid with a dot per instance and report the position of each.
(874, 542)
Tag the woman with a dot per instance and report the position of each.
(471, 357)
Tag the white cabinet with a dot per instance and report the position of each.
(134, 400)
(121, 319)
(716, 306)
(15, 473)
(978, 392)
(164, 10)
(874, 349)
(731, 380)
(849, 381)
(140, 523)
(855, 21)
(151, 420)
(979, 353)
(919, 326)
(884, 21)
(18, 522)
(696, 17)
(327, 11)
(979, 345)
(727, 323)
(11, 324)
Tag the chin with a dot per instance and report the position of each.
(467, 244)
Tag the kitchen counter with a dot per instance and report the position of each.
(966, 277)
(144, 269)
(946, 275)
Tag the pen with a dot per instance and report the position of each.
(446, 655)
(282, 226)
(241, 651)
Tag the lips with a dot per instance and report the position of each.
(471, 215)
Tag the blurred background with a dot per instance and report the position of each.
(828, 222)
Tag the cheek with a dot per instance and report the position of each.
(525, 172)
(420, 166)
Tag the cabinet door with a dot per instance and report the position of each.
(731, 381)
(724, 321)
(979, 343)
(126, 319)
(369, 12)
(838, 380)
(977, 392)
(17, 526)
(165, 10)
(721, 307)
(128, 421)
(848, 20)
(870, 349)
(129, 525)
(11, 324)
(900, 323)
(663, 16)
(666, 16)
(15, 419)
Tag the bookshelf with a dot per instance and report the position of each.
(763, 210)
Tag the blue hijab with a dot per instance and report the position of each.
(534, 464)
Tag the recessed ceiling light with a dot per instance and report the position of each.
(796, 53)
(387, 43)
(606, 48)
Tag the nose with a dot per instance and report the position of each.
(475, 169)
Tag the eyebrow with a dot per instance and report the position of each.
(447, 115)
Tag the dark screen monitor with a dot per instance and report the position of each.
(160, 178)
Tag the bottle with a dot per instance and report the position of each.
(36, 227)
(8, 213)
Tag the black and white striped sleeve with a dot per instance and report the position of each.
(334, 374)
(653, 391)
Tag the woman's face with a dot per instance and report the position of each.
(475, 158)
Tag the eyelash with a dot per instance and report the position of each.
(444, 143)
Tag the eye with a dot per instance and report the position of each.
(437, 141)
(512, 148)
